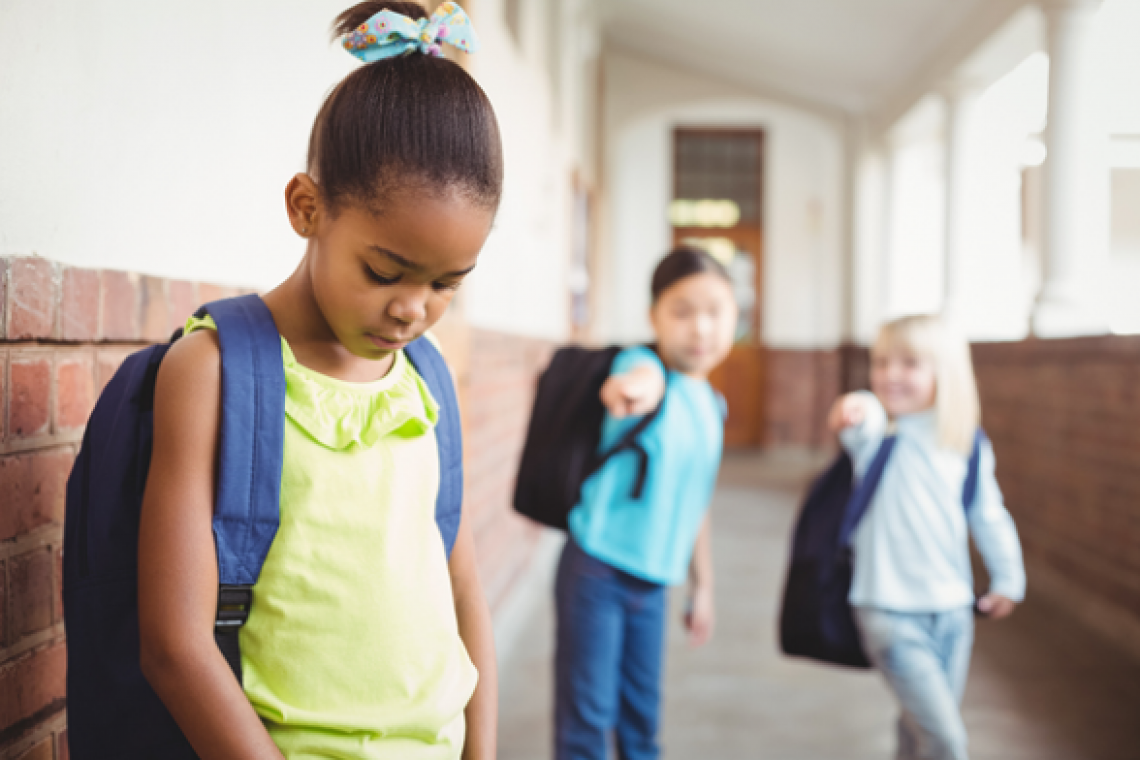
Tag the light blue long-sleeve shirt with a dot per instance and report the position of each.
(911, 551)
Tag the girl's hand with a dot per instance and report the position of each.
(636, 392)
(847, 411)
(700, 618)
(996, 606)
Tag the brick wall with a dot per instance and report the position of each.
(63, 333)
(1064, 416)
(497, 391)
(801, 385)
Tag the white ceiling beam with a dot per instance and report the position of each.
(944, 63)
(746, 83)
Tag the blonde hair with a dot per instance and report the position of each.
(957, 408)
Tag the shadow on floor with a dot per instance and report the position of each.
(1041, 687)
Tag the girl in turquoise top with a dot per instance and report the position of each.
(623, 553)
(363, 639)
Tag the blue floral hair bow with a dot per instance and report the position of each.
(389, 34)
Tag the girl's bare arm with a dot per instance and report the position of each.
(178, 571)
(700, 618)
(478, 636)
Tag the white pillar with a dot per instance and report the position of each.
(1075, 206)
(959, 99)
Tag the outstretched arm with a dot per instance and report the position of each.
(178, 570)
(635, 392)
(478, 636)
(860, 421)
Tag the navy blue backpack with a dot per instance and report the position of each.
(112, 710)
(815, 618)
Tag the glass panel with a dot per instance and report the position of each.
(721, 167)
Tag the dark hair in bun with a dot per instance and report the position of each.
(415, 123)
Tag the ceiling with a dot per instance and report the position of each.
(850, 55)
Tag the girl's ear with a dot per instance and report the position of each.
(653, 315)
(303, 204)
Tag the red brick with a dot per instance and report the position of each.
(34, 298)
(29, 405)
(80, 304)
(209, 292)
(119, 301)
(57, 610)
(3, 386)
(33, 488)
(35, 682)
(3, 604)
(42, 751)
(154, 309)
(1063, 416)
(74, 391)
(183, 299)
(31, 592)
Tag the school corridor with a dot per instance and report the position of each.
(1041, 687)
(849, 162)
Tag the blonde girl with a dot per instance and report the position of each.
(912, 589)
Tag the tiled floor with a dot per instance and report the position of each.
(1041, 688)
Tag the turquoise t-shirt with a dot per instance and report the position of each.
(652, 538)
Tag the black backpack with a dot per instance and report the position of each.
(815, 619)
(562, 440)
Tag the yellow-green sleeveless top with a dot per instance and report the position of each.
(352, 648)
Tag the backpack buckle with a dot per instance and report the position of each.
(234, 603)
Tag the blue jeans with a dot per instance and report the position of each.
(610, 642)
(925, 658)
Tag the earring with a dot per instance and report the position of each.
(304, 230)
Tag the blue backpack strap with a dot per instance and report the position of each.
(251, 439)
(973, 471)
(251, 445)
(429, 362)
(861, 497)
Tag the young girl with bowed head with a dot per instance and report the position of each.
(912, 587)
(363, 640)
(623, 553)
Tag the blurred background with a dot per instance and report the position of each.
(849, 160)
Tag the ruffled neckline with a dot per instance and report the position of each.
(338, 414)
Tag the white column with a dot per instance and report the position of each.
(1075, 206)
(889, 250)
(959, 99)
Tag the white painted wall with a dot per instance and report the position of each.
(539, 89)
(136, 135)
(803, 212)
(156, 138)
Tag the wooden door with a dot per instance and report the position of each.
(725, 167)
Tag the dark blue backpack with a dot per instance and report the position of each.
(815, 618)
(112, 710)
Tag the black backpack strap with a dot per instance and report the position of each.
(250, 450)
(865, 490)
(630, 441)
